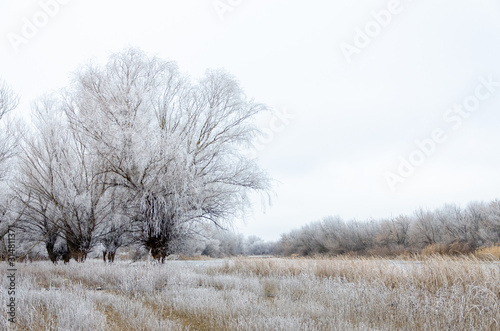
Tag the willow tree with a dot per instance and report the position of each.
(60, 183)
(171, 146)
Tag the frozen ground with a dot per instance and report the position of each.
(257, 294)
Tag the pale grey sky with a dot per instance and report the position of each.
(361, 88)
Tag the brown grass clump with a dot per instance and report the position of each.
(115, 321)
(183, 257)
(488, 253)
(455, 248)
(190, 320)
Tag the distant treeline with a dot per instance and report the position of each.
(218, 243)
(209, 240)
(450, 230)
(447, 230)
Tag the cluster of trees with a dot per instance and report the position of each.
(450, 229)
(130, 153)
(218, 243)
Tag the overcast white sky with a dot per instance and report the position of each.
(359, 100)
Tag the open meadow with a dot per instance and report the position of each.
(435, 293)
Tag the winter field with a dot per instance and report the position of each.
(434, 293)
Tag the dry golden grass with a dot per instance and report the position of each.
(428, 272)
(488, 253)
(453, 249)
(188, 319)
(194, 258)
(115, 321)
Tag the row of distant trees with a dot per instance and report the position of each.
(450, 230)
(219, 243)
(208, 241)
(130, 153)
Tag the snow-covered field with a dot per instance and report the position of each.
(257, 294)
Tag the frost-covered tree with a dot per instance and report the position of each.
(490, 230)
(60, 184)
(425, 230)
(8, 102)
(394, 232)
(256, 246)
(460, 225)
(173, 147)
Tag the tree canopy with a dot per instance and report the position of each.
(135, 149)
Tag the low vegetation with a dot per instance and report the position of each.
(449, 230)
(431, 293)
